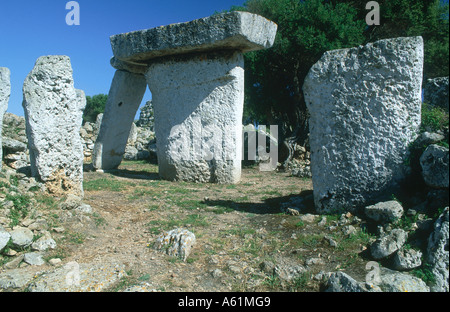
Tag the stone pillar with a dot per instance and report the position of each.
(196, 76)
(125, 96)
(198, 103)
(365, 109)
(53, 113)
(5, 92)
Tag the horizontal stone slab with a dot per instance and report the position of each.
(241, 31)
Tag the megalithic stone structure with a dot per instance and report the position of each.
(195, 71)
(54, 114)
(365, 109)
(5, 92)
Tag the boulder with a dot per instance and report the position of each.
(407, 259)
(342, 282)
(4, 238)
(53, 113)
(177, 243)
(365, 110)
(435, 166)
(385, 212)
(392, 281)
(388, 243)
(21, 237)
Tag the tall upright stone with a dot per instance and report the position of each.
(195, 71)
(5, 92)
(53, 113)
(365, 108)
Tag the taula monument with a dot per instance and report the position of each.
(195, 71)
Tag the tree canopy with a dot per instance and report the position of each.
(307, 29)
(94, 105)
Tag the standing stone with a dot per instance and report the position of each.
(365, 108)
(435, 92)
(53, 113)
(5, 92)
(195, 71)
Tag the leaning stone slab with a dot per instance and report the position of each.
(365, 108)
(125, 96)
(5, 92)
(53, 113)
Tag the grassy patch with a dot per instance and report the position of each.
(106, 184)
(433, 118)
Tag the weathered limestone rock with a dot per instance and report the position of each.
(407, 259)
(388, 243)
(436, 92)
(239, 31)
(438, 254)
(365, 108)
(5, 92)
(392, 281)
(198, 106)
(146, 117)
(195, 73)
(125, 96)
(177, 243)
(385, 212)
(435, 166)
(4, 238)
(53, 113)
(21, 237)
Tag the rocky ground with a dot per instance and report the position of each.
(259, 235)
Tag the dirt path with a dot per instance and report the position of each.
(244, 240)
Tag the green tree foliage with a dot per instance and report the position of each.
(94, 105)
(307, 29)
(404, 18)
(274, 77)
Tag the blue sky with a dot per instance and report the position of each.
(30, 29)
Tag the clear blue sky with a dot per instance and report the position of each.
(32, 28)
